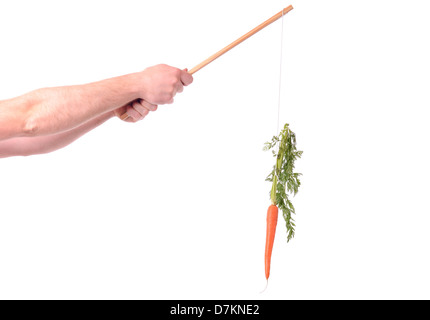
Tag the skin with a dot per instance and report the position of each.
(48, 119)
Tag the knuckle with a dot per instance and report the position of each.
(170, 92)
(174, 81)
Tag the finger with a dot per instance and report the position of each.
(179, 87)
(148, 105)
(124, 117)
(133, 115)
(186, 78)
(141, 109)
(121, 112)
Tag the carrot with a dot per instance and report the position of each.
(284, 181)
(272, 220)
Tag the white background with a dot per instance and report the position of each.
(174, 207)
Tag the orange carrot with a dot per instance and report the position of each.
(272, 219)
(284, 181)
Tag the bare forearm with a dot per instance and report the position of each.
(63, 108)
(53, 110)
(25, 146)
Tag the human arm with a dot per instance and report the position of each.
(26, 146)
(51, 111)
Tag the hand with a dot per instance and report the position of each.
(135, 110)
(160, 83)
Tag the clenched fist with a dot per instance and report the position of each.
(157, 85)
(160, 83)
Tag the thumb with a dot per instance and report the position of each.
(186, 78)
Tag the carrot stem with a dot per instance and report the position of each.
(273, 192)
(278, 165)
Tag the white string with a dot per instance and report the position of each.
(267, 283)
(280, 71)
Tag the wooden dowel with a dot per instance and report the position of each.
(241, 39)
(234, 44)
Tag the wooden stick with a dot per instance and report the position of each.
(234, 44)
(241, 39)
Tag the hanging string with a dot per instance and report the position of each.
(279, 99)
(280, 71)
